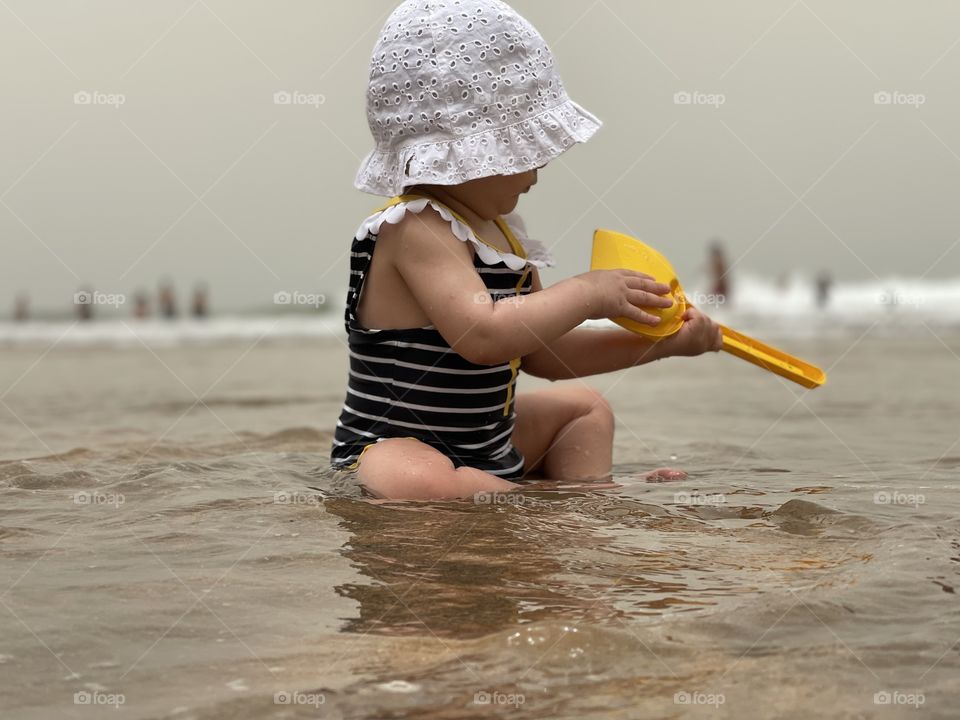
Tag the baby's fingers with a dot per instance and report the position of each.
(648, 284)
(637, 315)
(640, 298)
(638, 275)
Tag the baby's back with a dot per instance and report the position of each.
(405, 380)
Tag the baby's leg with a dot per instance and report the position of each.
(407, 469)
(566, 433)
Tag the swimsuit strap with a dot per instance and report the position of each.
(515, 244)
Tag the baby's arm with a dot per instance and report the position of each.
(583, 351)
(438, 270)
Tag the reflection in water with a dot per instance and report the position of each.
(462, 570)
(457, 569)
(532, 597)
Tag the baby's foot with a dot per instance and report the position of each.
(665, 475)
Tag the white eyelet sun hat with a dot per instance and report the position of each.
(460, 90)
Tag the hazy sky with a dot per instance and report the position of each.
(198, 175)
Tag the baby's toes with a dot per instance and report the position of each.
(665, 475)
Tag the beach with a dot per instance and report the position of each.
(173, 545)
(190, 200)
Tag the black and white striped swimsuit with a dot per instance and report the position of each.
(411, 383)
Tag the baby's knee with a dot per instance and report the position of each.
(594, 403)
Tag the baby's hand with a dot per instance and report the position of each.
(622, 293)
(698, 335)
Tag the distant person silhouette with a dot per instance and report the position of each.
(718, 272)
(167, 302)
(21, 308)
(141, 306)
(83, 299)
(824, 286)
(200, 301)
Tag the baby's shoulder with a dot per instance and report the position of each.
(412, 224)
(413, 221)
(429, 225)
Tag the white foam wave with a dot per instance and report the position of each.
(154, 333)
(889, 306)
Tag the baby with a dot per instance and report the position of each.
(445, 303)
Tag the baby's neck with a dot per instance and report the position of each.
(485, 228)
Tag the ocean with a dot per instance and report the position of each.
(173, 545)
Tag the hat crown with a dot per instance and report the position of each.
(460, 90)
(444, 69)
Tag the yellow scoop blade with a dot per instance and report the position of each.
(616, 251)
(613, 250)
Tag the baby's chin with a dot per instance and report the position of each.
(510, 204)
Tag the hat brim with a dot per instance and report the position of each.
(509, 150)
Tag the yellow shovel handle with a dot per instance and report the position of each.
(772, 359)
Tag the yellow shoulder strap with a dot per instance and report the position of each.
(518, 249)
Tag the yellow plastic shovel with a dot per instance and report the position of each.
(616, 251)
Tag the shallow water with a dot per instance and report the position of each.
(171, 544)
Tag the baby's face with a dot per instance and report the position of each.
(495, 195)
